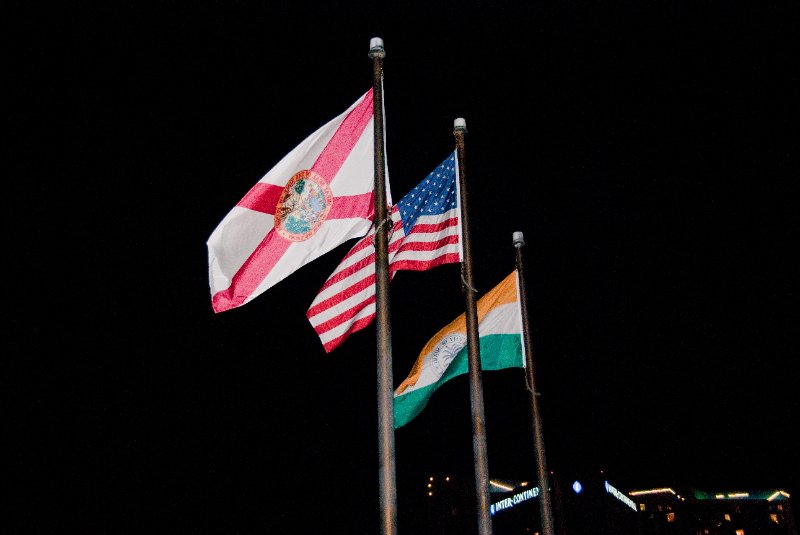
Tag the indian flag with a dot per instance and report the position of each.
(445, 355)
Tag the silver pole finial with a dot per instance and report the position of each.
(460, 124)
(519, 239)
(376, 48)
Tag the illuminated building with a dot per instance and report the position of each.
(595, 505)
(753, 512)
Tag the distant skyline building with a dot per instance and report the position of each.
(594, 505)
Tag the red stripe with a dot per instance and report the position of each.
(357, 326)
(434, 227)
(262, 198)
(360, 285)
(337, 298)
(411, 245)
(252, 273)
(341, 144)
(345, 316)
(339, 275)
(422, 265)
(444, 234)
(342, 272)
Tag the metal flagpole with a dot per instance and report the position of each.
(386, 458)
(538, 439)
(474, 349)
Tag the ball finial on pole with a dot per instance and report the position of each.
(376, 49)
(519, 239)
(460, 125)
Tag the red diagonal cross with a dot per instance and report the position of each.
(264, 198)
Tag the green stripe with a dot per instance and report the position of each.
(498, 351)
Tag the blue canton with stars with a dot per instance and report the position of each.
(433, 196)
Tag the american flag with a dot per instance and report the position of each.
(426, 233)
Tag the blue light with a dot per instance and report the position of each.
(577, 487)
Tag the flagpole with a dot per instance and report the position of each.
(385, 387)
(474, 348)
(538, 439)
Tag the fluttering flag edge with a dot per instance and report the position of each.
(498, 351)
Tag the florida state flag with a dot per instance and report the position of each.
(316, 198)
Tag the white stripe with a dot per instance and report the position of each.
(353, 259)
(343, 328)
(428, 237)
(519, 319)
(345, 305)
(426, 256)
(348, 281)
(433, 219)
(502, 319)
(458, 208)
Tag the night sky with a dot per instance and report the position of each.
(647, 150)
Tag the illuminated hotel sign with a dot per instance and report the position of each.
(620, 496)
(516, 499)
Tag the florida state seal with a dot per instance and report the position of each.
(303, 206)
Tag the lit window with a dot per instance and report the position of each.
(670, 517)
(728, 517)
(739, 532)
(774, 517)
(642, 507)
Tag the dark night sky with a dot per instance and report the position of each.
(648, 151)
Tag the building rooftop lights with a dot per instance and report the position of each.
(501, 485)
(738, 495)
(651, 491)
(778, 493)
